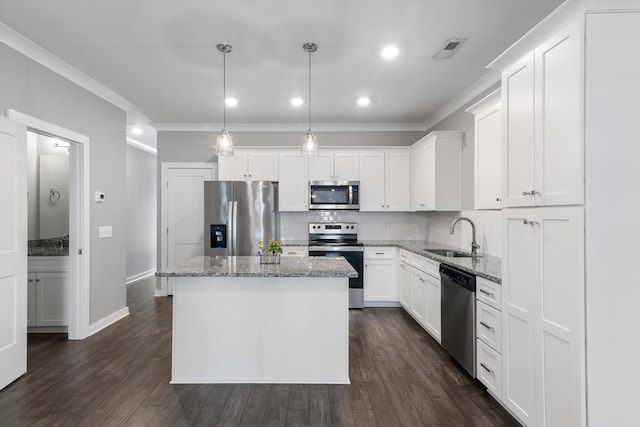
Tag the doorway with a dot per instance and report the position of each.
(76, 295)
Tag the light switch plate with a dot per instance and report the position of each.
(105, 231)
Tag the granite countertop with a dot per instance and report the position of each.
(48, 251)
(249, 266)
(487, 266)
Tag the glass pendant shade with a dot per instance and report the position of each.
(224, 144)
(310, 144)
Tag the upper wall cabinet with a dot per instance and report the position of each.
(488, 152)
(293, 192)
(437, 172)
(251, 165)
(385, 181)
(542, 124)
(335, 166)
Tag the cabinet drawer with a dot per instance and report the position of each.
(295, 251)
(380, 253)
(405, 256)
(418, 262)
(489, 326)
(489, 293)
(489, 369)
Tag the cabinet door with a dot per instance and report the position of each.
(398, 181)
(520, 279)
(293, 187)
(559, 326)
(433, 320)
(262, 166)
(31, 299)
(419, 199)
(51, 299)
(404, 286)
(321, 167)
(430, 176)
(346, 166)
(418, 296)
(559, 129)
(232, 168)
(372, 181)
(380, 281)
(518, 133)
(488, 158)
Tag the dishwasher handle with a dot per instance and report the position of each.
(458, 277)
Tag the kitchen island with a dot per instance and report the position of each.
(238, 321)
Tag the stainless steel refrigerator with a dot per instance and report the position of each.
(239, 214)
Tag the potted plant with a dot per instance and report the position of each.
(271, 253)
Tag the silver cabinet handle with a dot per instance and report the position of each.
(422, 204)
(37, 280)
(387, 205)
(383, 206)
(486, 368)
(403, 266)
(291, 253)
(379, 253)
(498, 199)
(527, 193)
(487, 326)
(527, 222)
(30, 280)
(486, 293)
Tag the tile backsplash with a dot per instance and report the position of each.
(488, 230)
(371, 225)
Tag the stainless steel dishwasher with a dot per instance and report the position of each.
(459, 316)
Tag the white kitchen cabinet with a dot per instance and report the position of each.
(489, 368)
(380, 277)
(433, 312)
(31, 299)
(489, 336)
(543, 356)
(47, 287)
(488, 151)
(293, 187)
(543, 130)
(404, 285)
(335, 166)
(418, 306)
(437, 172)
(251, 165)
(295, 251)
(385, 181)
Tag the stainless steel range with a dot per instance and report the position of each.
(334, 239)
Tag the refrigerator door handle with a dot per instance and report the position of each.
(235, 226)
(230, 229)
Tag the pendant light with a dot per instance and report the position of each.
(310, 140)
(224, 143)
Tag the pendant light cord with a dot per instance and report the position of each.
(224, 90)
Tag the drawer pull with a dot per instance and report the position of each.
(486, 368)
(486, 292)
(291, 253)
(379, 253)
(487, 326)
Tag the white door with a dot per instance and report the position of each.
(518, 133)
(346, 166)
(293, 187)
(430, 183)
(520, 279)
(419, 179)
(404, 285)
(398, 181)
(488, 159)
(380, 280)
(263, 166)
(13, 251)
(559, 129)
(372, 181)
(418, 295)
(321, 167)
(233, 168)
(433, 319)
(185, 215)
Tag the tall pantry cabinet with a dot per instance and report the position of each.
(543, 322)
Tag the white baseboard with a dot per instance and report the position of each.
(107, 321)
(140, 276)
(160, 293)
(382, 304)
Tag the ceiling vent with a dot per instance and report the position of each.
(450, 47)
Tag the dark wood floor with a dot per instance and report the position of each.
(399, 377)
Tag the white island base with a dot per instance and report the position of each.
(260, 330)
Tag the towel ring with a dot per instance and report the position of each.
(54, 197)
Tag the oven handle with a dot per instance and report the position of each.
(335, 249)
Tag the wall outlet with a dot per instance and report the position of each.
(105, 231)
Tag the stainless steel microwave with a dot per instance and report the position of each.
(334, 195)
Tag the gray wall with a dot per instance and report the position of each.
(32, 89)
(142, 193)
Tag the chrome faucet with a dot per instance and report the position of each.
(474, 244)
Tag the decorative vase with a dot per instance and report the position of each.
(270, 258)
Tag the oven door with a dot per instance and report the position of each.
(355, 258)
(330, 195)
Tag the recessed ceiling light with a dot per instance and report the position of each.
(363, 101)
(231, 102)
(137, 131)
(297, 101)
(389, 52)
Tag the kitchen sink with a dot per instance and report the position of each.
(449, 253)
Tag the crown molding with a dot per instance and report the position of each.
(31, 50)
(466, 96)
(141, 146)
(290, 127)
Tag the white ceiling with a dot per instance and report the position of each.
(161, 55)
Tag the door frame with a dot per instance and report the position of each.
(79, 219)
(165, 167)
